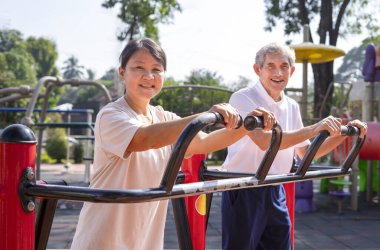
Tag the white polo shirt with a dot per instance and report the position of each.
(244, 155)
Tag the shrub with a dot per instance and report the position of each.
(78, 153)
(56, 145)
(45, 158)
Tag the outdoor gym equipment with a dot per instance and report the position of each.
(50, 83)
(22, 189)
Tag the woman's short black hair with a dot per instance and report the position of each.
(151, 46)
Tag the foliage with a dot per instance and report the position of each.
(45, 55)
(21, 63)
(90, 74)
(78, 153)
(45, 158)
(109, 75)
(336, 18)
(189, 100)
(204, 77)
(242, 82)
(351, 68)
(142, 16)
(16, 63)
(56, 145)
(72, 69)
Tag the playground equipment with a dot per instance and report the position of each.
(22, 188)
(371, 152)
(308, 52)
(50, 83)
(23, 91)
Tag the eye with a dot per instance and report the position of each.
(158, 71)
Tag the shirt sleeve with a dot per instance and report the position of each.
(298, 125)
(116, 130)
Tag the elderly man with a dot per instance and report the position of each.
(258, 218)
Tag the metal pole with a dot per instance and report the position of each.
(304, 76)
(17, 152)
(87, 162)
(67, 165)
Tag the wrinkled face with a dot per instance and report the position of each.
(275, 74)
(143, 76)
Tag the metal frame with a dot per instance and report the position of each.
(216, 181)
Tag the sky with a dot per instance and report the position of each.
(219, 35)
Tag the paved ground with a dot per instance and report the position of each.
(322, 229)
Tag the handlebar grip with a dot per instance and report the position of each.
(350, 130)
(220, 119)
(253, 122)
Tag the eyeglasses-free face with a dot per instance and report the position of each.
(143, 76)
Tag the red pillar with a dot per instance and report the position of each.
(17, 152)
(195, 205)
(290, 198)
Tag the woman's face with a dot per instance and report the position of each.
(143, 76)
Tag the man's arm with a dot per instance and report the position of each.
(291, 138)
(219, 139)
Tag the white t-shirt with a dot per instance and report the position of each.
(244, 155)
(124, 226)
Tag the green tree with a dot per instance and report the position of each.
(204, 77)
(72, 69)
(45, 56)
(109, 75)
(90, 74)
(16, 63)
(242, 82)
(335, 18)
(142, 16)
(351, 67)
(190, 99)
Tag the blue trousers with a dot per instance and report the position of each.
(255, 218)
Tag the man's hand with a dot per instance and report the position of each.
(361, 125)
(330, 124)
(269, 118)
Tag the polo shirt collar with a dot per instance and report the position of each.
(268, 99)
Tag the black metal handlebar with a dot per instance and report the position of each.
(254, 122)
(317, 142)
(170, 175)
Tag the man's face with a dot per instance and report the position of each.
(275, 74)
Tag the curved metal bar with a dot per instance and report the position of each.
(317, 142)
(310, 153)
(187, 135)
(27, 119)
(353, 154)
(270, 154)
(253, 122)
(175, 161)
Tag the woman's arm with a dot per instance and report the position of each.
(166, 133)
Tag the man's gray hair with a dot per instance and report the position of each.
(274, 48)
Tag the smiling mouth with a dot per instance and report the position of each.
(147, 86)
(277, 81)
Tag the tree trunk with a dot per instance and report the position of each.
(323, 77)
